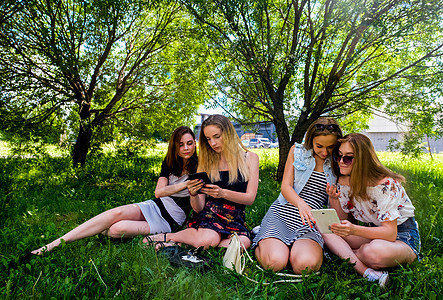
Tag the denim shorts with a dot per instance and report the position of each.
(407, 232)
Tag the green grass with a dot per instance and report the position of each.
(50, 149)
(42, 198)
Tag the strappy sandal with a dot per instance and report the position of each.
(160, 244)
(149, 241)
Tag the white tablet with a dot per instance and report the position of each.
(325, 218)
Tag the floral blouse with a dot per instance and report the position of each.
(387, 201)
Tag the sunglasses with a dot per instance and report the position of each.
(329, 127)
(347, 160)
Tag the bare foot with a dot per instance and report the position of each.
(39, 251)
(47, 247)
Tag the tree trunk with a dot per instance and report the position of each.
(283, 141)
(82, 146)
(283, 151)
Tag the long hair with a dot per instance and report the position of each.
(366, 167)
(233, 151)
(313, 132)
(174, 162)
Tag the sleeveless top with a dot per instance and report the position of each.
(221, 215)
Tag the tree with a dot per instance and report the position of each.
(421, 111)
(7, 10)
(298, 60)
(99, 63)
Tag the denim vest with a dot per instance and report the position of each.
(304, 165)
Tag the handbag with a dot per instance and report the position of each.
(233, 258)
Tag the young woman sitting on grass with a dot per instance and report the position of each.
(220, 210)
(165, 213)
(287, 235)
(372, 194)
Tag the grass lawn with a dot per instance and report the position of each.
(42, 198)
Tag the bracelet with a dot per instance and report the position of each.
(193, 195)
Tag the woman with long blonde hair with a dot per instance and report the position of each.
(220, 208)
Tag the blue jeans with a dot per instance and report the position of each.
(407, 232)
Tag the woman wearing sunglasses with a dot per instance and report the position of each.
(287, 234)
(372, 194)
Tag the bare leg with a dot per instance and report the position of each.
(306, 253)
(272, 254)
(191, 236)
(341, 248)
(382, 254)
(355, 242)
(100, 224)
(244, 239)
(127, 229)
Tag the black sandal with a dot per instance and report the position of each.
(149, 241)
(161, 244)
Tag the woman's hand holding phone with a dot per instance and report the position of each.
(194, 186)
(196, 181)
(332, 191)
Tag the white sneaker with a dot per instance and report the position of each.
(255, 230)
(383, 281)
(381, 277)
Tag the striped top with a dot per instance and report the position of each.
(283, 221)
(313, 193)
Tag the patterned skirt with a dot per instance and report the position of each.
(221, 217)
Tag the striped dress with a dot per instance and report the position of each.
(283, 221)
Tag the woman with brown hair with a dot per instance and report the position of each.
(165, 213)
(372, 194)
(219, 211)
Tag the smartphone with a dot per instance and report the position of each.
(199, 175)
(325, 218)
